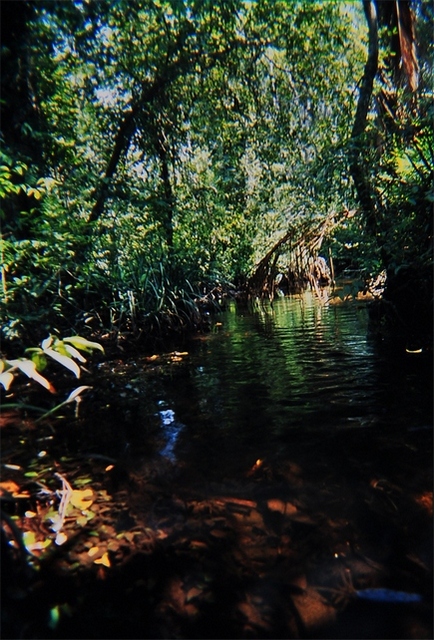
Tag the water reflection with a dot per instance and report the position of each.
(172, 428)
(300, 365)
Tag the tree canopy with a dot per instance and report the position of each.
(155, 147)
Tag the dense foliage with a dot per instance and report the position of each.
(155, 148)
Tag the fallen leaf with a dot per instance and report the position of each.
(9, 486)
(198, 544)
(276, 505)
(104, 560)
(194, 592)
(93, 551)
(32, 544)
(82, 498)
(161, 534)
(61, 538)
(425, 500)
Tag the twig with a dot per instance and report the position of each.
(66, 493)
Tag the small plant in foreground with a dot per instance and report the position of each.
(65, 352)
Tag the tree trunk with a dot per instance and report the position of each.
(121, 145)
(357, 167)
(168, 198)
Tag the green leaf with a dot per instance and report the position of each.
(83, 344)
(54, 617)
(40, 361)
(74, 353)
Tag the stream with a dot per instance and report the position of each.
(271, 479)
(300, 370)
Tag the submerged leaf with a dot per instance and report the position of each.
(32, 544)
(54, 617)
(81, 498)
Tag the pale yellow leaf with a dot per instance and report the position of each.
(74, 353)
(6, 379)
(28, 367)
(74, 394)
(47, 343)
(61, 538)
(81, 499)
(68, 363)
(79, 342)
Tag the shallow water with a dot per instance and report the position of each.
(300, 368)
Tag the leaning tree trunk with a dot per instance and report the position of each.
(121, 146)
(357, 165)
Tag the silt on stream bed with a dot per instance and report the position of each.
(270, 480)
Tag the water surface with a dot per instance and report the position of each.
(299, 367)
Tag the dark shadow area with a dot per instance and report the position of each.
(281, 551)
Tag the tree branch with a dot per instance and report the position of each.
(181, 63)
